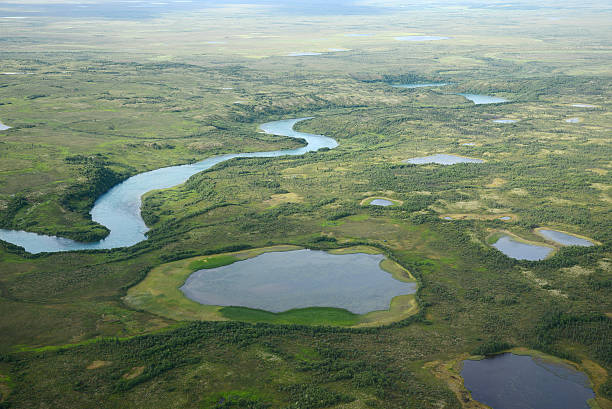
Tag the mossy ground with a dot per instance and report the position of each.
(132, 94)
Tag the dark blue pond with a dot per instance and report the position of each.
(510, 381)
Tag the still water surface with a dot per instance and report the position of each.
(509, 381)
(483, 99)
(564, 238)
(381, 202)
(282, 281)
(521, 251)
(442, 159)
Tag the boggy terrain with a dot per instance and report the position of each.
(101, 105)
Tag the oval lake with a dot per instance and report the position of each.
(381, 202)
(280, 281)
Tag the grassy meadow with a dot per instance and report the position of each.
(95, 95)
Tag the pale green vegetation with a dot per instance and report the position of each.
(107, 98)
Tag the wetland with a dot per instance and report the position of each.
(115, 95)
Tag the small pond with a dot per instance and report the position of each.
(504, 121)
(505, 218)
(4, 127)
(483, 99)
(448, 218)
(521, 251)
(428, 84)
(583, 106)
(572, 120)
(421, 38)
(510, 381)
(282, 281)
(469, 144)
(564, 238)
(442, 159)
(381, 202)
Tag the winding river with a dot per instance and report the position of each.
(119, 208)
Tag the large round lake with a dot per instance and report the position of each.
(282, 281)
(521, 251)
(511, 381)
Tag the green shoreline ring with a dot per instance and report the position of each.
(159, 294)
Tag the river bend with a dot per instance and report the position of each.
(119, 208)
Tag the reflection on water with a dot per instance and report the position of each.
(297, 279)
(511, 381)
(381, 202)
(521, 251)
(564, 238)
(483, 99)
(442, 159)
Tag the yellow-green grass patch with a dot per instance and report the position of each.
(159, 292)
(280, 198)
